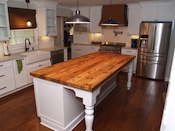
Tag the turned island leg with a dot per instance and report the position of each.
(89, 117)
(130, 66)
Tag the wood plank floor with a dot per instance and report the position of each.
(139, 109)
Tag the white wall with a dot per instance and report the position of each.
(45, 42)
(108, 35)
(168, 118)
(170, 53)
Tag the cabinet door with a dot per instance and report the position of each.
(148, 13)
(47, 21)
(7, 86)
(165, 13)
(4, 22)
(91, 49)
(51, 24)
(20, 78)
(131, 52)
(134, 20)
(95, 17)
(36, 66)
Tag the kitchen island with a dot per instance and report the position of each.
(59, 87)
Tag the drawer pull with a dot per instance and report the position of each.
(128, 51)
(40, 65)
(78, 49)
(2, 75)
(3, 88)
(1, 65)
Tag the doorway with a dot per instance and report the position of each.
(64, 34)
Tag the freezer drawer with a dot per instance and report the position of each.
(151, 69)
(152, 57)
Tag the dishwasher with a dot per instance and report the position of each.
(57, 56)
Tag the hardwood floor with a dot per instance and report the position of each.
(139, 109)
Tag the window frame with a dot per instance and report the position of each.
(21, 46)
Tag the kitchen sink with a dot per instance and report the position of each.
(35, 56)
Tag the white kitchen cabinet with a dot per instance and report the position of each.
(47, 21)
(57, 106)
(157, 13)
(36, 66)
(20, 78)
(130, 51)
(91, 49)
(95, 17)
(85, 11)
(7, 82)
(148, 13)
(80, 50)
(134, 15)
(4, 21)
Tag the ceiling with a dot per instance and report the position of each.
(72, 3)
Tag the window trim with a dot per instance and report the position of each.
(15, 48)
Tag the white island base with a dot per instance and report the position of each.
(58, 107)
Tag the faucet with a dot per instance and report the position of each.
(27, 48)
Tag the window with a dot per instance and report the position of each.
(18, 36)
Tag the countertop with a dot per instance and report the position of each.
(86, 44)
(10, 57)
(53, 48)
(128, 47)
(85, 72)
(18, 55)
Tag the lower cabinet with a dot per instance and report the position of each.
(7, 86)
(20, 77)
(7, 82)
(130, 51)
(36, 66)
(80, 50)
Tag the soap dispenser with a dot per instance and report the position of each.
(6, 50)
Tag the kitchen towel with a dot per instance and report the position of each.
(19, 65)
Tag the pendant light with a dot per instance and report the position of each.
(110, 21)
(29, 24)
(77, 18)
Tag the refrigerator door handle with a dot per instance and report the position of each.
(153, 38)
(149, 62)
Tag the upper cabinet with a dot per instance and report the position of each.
(4, 21)
(47, 21)
(133, 19)
(157, 11)
(95, 17)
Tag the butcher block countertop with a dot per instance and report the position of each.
(86, 72)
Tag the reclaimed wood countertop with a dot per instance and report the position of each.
(86, 72)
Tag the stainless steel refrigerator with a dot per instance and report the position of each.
(153, 47)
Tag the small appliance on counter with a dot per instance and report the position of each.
(6, 50)
(134, 43)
